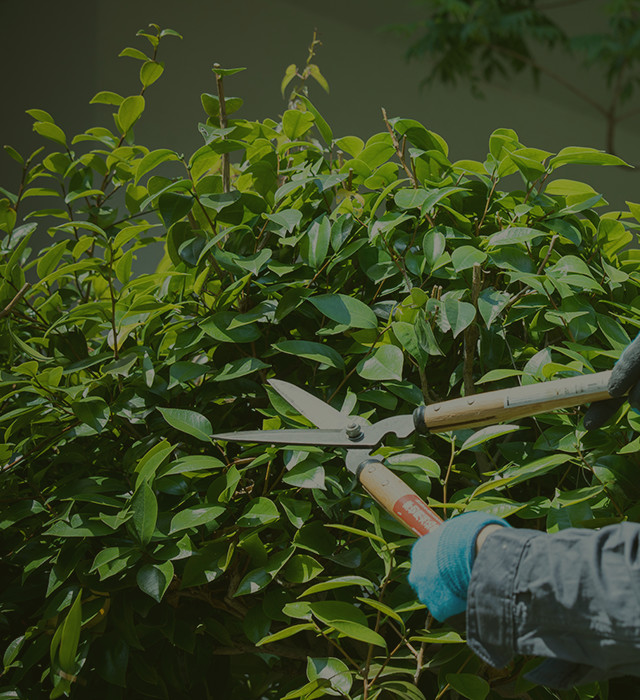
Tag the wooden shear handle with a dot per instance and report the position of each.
(397, 498)
(512, 404)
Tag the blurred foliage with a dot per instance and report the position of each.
(142, 559)
(477, 41)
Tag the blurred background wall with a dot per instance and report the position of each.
(56, 56)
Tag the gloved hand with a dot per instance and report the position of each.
(441, 563)
(625, 377)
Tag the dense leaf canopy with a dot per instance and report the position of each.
(140, 558)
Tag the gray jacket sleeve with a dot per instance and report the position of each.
(572, 597)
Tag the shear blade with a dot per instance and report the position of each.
(307, 405)
(293, 436)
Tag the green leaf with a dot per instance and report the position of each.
(296, 123)
(129, 52)
(93, 411)
(321, 124)
(221, 72)
(346, 310)
(314, 245)
(491, 303)
(183, 373)
(174, 206)
(49, 261)
(410, 198)
(70, 636)
(145, 512)
(218, 327)
(514, 235)
(495, 375)
(408, 338)
(458, 314)
(537, 467)
(253, 582)
(317, 352)
(11, 653)
(429, 467)
(315, 73)
(40, 115)
(439, 637)
(19, 510)
(289, 75)
(151, 461)
(195, 516)
(584, 156)
(154, 579)
(433, 245)
(239, 368)
(353, 145)
(12, 153)
(189, 422)
(261, 511)
(285, 220)
(130, 111)
(285, 633)
(376, 153)
(192, 463)
(152, 160)
(329, 610)
(385, 363)
(108, 555)
(338, 582)
(254, 263)
(334, 671)
(105, 97)
(150, 71)
(211, 104)
(306, 475)
(612, 237)
(360, 632)
(466, 257)
(488, 433)
(436, 196)
(381, 607)
(469, 685)
(302, 568)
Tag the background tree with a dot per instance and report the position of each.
(480, 40)
(139, 558)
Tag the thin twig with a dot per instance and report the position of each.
(444, 690)
(367, 665)
(11, 305)
(449, 467)
(226, 179)
(396, 145)
(113, 304)
(471, 334)
(543, 264)
(486, 206)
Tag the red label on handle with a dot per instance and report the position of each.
(416, 514)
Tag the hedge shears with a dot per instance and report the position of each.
(360, 439)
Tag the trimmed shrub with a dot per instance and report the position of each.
(141, 558)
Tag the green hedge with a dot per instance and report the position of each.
(142, 559)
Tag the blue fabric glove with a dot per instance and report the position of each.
(441, 563)
(625, 377)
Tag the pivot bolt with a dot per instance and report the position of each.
(354, 431)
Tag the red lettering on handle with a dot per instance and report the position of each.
(416, 514)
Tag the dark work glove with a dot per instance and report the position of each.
(625, 377)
